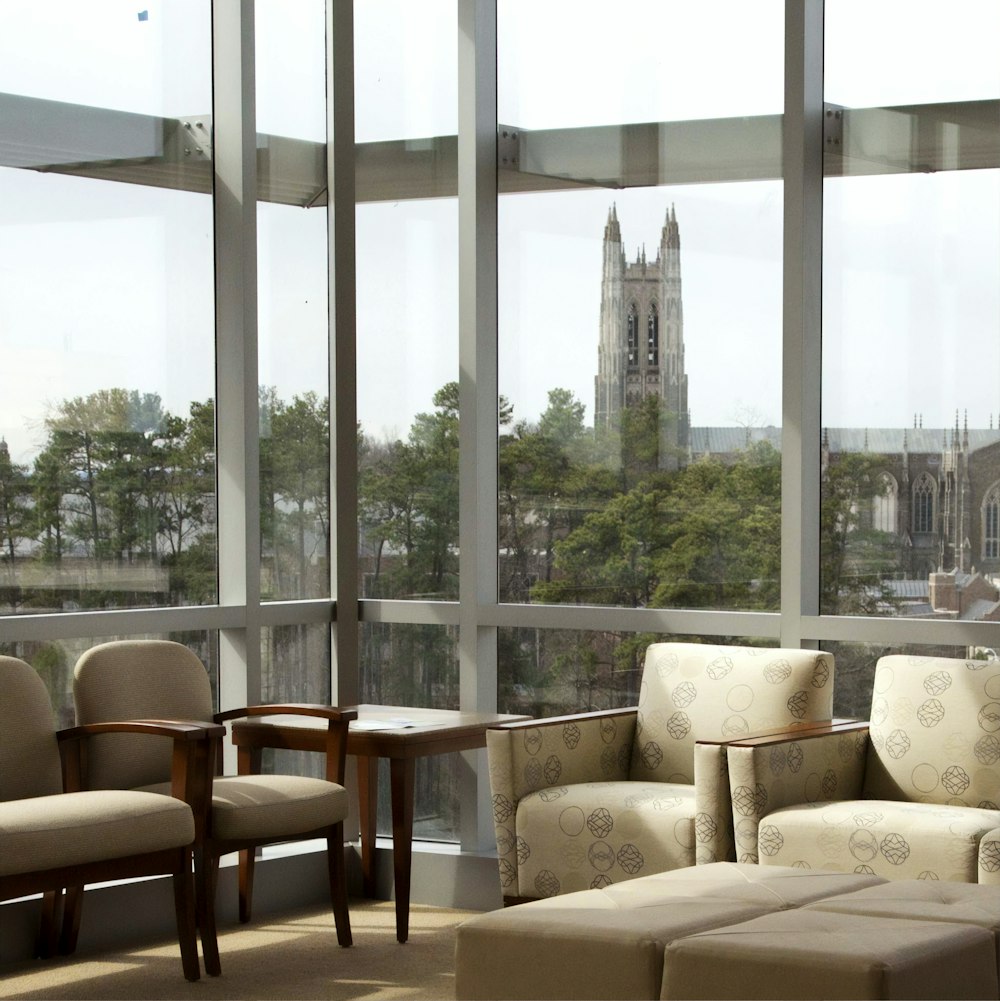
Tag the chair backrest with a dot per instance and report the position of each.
(935, 731)
(137, 679)
(693, 691)
(29, 752)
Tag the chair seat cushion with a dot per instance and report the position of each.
(590, 835)
(260, 807)
(49, 832)
(897, 840)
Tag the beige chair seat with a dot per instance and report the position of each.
(896, 839)
(600, 828)
(270, 806)
(49, 832)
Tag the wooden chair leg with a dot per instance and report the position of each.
(206, 869)
(72, 912)
(48, 934)
(248, 859)
(338, 884)
(187, 931)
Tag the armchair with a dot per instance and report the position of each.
(54, 833)
(142, 678)
(585, 801)
(912, 793)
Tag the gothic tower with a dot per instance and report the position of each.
(640, 349)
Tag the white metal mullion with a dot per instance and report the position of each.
(238, 465)
(477, 350)
(802, 169)
(345, 682)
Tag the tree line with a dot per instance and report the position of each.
(614, 516)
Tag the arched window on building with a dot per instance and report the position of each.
(653, 336)
(991, 523)
(633, 336)
(923, 503)
(885, 505)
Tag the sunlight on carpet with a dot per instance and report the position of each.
(293, 956)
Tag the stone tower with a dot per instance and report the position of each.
(640, 351)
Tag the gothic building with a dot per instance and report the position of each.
(640, 349)
(939, 509)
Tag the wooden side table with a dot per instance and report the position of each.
(400, 733)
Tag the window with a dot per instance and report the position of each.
(884, 505)
(653, 336)
(923, 504)
(991, 523)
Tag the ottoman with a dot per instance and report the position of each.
(609, 943)
(809, 953)
(924, 900)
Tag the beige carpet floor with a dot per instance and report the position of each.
(290, 956)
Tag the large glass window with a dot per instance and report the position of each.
(407, 301)
(292, 272)
(107, 451)
(911, 308)
(640, 304)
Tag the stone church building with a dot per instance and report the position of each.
(940, 504)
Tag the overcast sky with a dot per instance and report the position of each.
(104, 285)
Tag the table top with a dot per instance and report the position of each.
(386, 731)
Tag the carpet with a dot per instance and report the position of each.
(287, 956)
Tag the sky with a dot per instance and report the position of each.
(104, 284)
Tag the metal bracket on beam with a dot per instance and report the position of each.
(508, 147)
(196, 137)
(833, 128)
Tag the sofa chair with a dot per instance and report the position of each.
(144, 678)
(912, 793)
(585, 801)
(56, 834)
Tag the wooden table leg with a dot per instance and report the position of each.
(401, 772)
(368, 814)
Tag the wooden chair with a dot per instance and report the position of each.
(55, 833)
(143, 678)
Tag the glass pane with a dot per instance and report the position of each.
(551, 672)
(911, 306)
(292, 275)
(407, 302)
(295, 667)
(416, 665)
(409, 665)
(640, 329)
(854, 671)
(107, 453)
(55, 659)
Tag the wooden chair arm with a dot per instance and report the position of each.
(332, 713)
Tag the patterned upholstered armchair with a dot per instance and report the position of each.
(585, 801)
(912, 793)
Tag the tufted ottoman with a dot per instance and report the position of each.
(811, 953)
(609, 943)
(925, 900)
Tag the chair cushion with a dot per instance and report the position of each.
(896, 840)
(261, 807)
(49, 832)
(596, 833)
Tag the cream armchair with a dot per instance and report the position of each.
(585, 801)
(913, 793)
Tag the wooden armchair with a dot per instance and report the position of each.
(143, 678)
(56, 833)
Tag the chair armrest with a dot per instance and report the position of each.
(565, 750)
(338, 721)
(805, 764)
(192, 766)
(529, 755)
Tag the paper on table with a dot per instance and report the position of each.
(393, 723)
